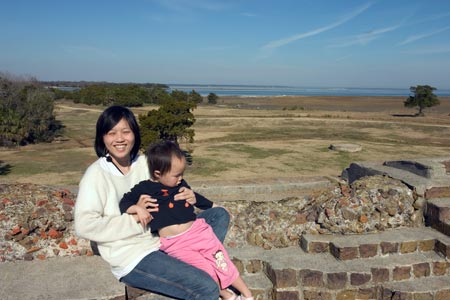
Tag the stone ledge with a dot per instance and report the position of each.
(399, 240)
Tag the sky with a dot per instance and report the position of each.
(301, 43)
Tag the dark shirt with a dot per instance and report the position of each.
(170, 211)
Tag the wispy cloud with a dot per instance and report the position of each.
(417, 37)
(430, 18)
(365, 38)
(282, 42)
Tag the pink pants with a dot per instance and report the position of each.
(200, 248)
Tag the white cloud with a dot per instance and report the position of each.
(285, 41)
(417, 37)
(364, 38)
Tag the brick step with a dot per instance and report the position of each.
(429, 288)
(437, 214)
(293, 268)
(259, 284)
(399, 240)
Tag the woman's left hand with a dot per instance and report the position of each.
(186, 194)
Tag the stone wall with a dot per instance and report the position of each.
(36, 222)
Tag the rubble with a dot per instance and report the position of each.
(36, 222)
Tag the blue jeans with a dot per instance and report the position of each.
(162, 274)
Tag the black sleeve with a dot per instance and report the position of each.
(129, 199)
(202, 202)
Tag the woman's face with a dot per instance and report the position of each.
(119, 142)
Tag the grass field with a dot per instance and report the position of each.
(255, 138)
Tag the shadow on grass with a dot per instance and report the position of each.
(405, 116)
(4, 168)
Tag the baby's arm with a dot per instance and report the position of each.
(143, 216)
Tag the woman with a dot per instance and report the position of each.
(132, 251)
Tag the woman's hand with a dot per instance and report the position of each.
(148, 203)
(186, 194)
(143, 216)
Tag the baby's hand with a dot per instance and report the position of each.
(148, 203)
(143, 216)
(186, 194)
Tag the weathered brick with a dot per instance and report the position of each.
(344, 253)
(387, 247)
(408, 247)
(287, 295)
(401, 273)
(368, 250)
(311, 278)
(283, 278)
(443, 249)
(438, 192)
(359, 278)
(259, 293)
(346, 295)
(316, 295)
(380, 274)
(239, 264)
(402, 296)
(318, 247)
(423, 296)
(254, 266)
(421, 270)
(427, 245)
(440, 268)
(386, 294)
(442, 295)
(336, 280)
(366, 293)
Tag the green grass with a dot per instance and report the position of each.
(249, 151)
(37, 162)
(208, 167)
(248, 144)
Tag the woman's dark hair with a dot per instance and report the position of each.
(107, 120)
(159, 157)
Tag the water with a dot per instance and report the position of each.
(258, 91)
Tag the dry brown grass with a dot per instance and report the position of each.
(257, 138)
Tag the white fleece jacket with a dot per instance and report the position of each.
(122, 241)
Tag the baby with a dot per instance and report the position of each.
(182, 234)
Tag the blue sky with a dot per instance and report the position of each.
(305, 43)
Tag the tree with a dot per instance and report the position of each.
(130, 95)
(172, 121)
(195, 97)
(423, 97)
(95, 94)
(26, 113)
(212, 98)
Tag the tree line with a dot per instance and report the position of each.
(27, 108)
(27, 116)
(126, 94)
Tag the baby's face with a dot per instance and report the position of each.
(175, 175)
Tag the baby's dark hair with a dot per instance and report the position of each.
(159, 157)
